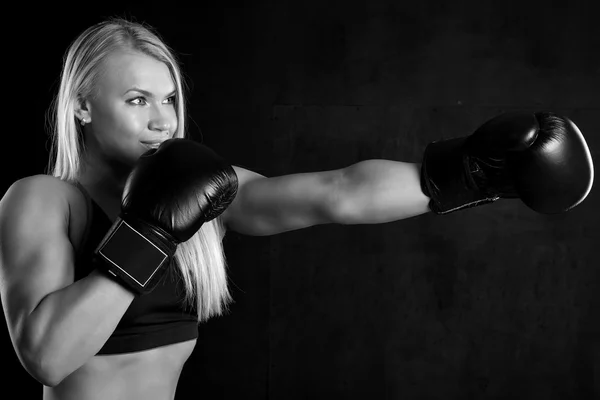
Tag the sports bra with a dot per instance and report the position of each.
(152, 320)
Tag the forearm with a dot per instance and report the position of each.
(70, 326)
(378, 191)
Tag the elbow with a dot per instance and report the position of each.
(39, 368)
(341, 211)
(344, 214)
(49, 373)
(42, 361)
(40, 373)
(340, 208)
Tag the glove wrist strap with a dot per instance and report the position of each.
(446, 178)
(134, 253)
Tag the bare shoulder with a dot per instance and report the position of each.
(36, 185)
(29, 194)
(39, 189)
(37, 193)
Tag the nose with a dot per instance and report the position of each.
(162, 121)
(160, 126)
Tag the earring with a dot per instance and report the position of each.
(83, 122)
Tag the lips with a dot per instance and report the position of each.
(152, 143)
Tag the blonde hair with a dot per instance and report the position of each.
(201, 259)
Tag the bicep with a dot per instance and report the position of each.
(266, 206)
(36, 255)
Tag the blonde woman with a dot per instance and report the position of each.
(86, 334)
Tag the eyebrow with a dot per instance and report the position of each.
(147, 93)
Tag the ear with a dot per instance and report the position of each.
(82, 111)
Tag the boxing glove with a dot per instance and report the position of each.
(169, 194)
(540, 158)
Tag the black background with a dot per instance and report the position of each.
(495, 302)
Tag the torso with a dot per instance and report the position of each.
(151, 374)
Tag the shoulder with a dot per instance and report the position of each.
(41, 188)
(45, 192)
(31, 191)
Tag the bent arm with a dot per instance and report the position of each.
(55, 325)
(368, 192)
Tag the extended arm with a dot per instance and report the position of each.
(368, 192)
(541, 158)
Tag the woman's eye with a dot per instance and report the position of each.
(138, 101)
(170, 100)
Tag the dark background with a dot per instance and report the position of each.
(495, 302)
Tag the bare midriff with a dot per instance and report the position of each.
(150, 375)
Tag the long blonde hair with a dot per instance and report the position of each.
(201, 259)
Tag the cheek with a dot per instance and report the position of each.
(121, 123)
(117, 132)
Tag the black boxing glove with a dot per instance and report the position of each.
(540, 158)
(170, 193)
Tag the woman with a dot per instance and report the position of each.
(84, 335)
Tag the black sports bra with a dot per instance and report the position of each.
(152, 320)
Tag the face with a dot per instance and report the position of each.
(133, 108)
